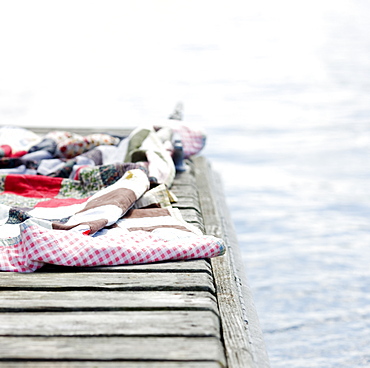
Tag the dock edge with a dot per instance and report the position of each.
(242, 334)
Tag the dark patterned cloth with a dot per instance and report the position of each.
(17, 216)
(13, 162)
(47, 144)
(66, 170)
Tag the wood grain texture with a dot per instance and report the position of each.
(111, 348)
(186, 203)
(153, 315)
(183, 178)
(129, 323)
(191, 215)
(106, 364)
(30, 300)
(241, 330)
(198, 265)
(186, 193)
(112, 281)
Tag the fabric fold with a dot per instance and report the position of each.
(93, 201)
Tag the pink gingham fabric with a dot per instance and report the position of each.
(104, 232)
(96, 220)
(38, 245)
(193, 140)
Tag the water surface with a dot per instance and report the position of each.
(283, 91)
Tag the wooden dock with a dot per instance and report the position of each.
(194, 314)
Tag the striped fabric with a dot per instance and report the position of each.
(102, 229)
(97, 208)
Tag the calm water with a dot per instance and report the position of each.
(283, 90)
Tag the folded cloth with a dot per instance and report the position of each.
(145, 145)
(94, 208)
(77, 145)
(193, 138)
(38, 245)
(155, 219)
(16, 141)
(68, 144)
(109, 204)
(66, 203)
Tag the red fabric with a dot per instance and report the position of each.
(33, 186)
(18, 154)
(77, 175)
(6, 149)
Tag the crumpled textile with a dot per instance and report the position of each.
(103, 229)
(108, 205)
(38, 245)
(16, 141)
(67, 154)
(193, 138)
(67, 204)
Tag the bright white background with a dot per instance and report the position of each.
(282, 88)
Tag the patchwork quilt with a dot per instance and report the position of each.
(73, 200)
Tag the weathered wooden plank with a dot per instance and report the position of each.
(112, 281)
(187, 200)
(241, 330)
(185, 190)
(186, 203)
(186, 177)
(198, 265)
(111, 348)
(187, 194)
(120, 364)
(191, 215)
(128, 323)
(25, 300)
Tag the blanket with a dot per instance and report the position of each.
(94, 200)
